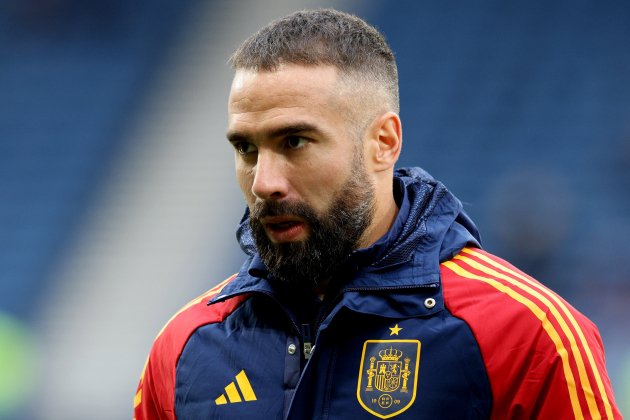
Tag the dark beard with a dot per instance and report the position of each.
(305, 265)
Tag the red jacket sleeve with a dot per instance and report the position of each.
(543, 358)
(155, 396)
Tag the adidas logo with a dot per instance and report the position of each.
(232, 391)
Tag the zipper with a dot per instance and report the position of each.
(304, 331)
(307, 340)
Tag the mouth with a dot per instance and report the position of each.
(285, 229)
(282, 225)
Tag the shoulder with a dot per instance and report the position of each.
(196, 313)
(484, 289)
(156, 387)
(534, 344)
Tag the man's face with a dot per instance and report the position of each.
(299, 164)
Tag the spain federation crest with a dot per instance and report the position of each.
(388, 376)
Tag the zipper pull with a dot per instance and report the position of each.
(308, 342)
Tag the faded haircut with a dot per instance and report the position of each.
(328, 37)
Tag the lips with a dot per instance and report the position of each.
(284, 228)
(282, 225)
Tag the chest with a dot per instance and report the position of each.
(361, 366)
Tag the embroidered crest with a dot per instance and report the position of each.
(388, 376)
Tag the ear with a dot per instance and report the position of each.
(384, 141)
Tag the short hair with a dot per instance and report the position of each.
(322, 36)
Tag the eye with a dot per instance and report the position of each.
(295, 142)
(244, 148)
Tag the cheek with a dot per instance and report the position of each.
(245, 181)
(325, 184)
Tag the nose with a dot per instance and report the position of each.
(270, 178)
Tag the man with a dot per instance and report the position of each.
(365, 292)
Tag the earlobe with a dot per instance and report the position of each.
(387, 141)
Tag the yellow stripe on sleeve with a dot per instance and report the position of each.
(547, 326)
(137, 399)
(588, 391)
(589, 354)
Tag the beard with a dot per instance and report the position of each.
(305, 265)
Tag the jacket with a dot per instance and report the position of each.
(423, 324)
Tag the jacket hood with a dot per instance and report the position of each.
(430, 227)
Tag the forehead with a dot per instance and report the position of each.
(289, 86)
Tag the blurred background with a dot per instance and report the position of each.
(118, 202)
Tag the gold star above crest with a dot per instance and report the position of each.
(395, 330)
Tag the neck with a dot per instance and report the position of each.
(385, 213)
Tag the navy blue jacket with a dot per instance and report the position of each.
(413, 328)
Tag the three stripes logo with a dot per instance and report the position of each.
(232, 391)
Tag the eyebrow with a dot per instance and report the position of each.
(287, 130)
